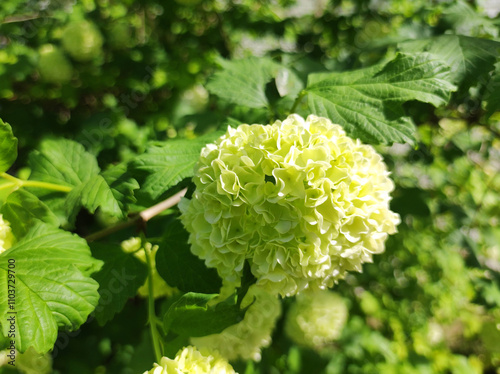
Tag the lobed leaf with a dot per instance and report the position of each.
(492, 96)
(63, 162)
(23, 210)
(368, 102)
(93, 194)
(464, 19)
(8, 147)
(53, 286)
(469, 58)
(243, 82)
(109, 191)
(121, 183)
(192, 315)
(166, 164)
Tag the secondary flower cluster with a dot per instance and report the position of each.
(316, 318)
(6, 237)
(245, 340)
(29, 362)
(193, 361)
(299, 200)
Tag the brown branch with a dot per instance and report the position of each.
(139, 219)
(21, 18)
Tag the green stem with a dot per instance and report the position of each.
(7, 185)
(21, 183)
(9, 177)
(48, 186)
(152, 320)
(298, 100)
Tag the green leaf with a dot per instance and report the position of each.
(121, 183)
(243, 82)
(490, 291)
(93, 194)
(492, 96)
(410, 201)
(63, 162)
(23, 209)
(170, 162)
(52, 284)
(288, 82)
(179, 267)
(192, 315)
(109, 191)
(120, 277)
(469, 58)
(6, 188)
(8, 147)
(467, 21)
(368, 102)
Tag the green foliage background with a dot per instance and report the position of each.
(160, 77)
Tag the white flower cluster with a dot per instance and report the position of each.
(6, 237)
(193, 361)
(299, 200)
(245, 339)
(316, 318)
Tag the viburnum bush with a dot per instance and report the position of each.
(249, 186)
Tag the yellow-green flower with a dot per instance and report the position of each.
(6, 237)
(245, 339)
(193, 361)
(29, 362)
(160, 287)
(299, 200)
(316, 318)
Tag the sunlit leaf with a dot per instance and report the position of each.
(53, 286)
(368, 102)
(8, 147)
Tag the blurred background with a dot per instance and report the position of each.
(114, 75)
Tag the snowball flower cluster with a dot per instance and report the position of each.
(299, 200)
(193, 361)
(6, 237)
(316, 318)
(245, 339)
(160, 287)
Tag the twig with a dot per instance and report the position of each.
(111, 230)
(141, 218)
(173, 200)
(21, 18)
